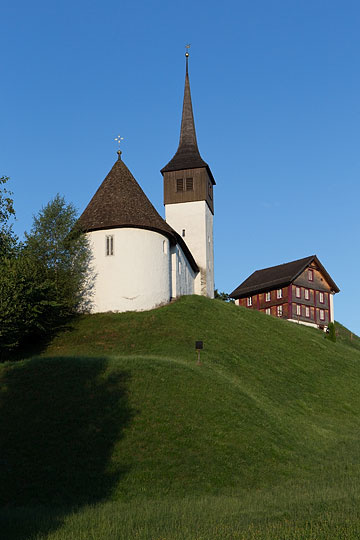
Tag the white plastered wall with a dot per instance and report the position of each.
(182, 275)
(196, 219)
(332, 317)
(137, 276)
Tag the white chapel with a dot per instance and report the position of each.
(140, 260)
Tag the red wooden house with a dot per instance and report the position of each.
(301, 291)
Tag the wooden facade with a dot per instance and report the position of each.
(188, 185)
(303, 296)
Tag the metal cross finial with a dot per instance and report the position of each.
(187, 47)
(118, 139)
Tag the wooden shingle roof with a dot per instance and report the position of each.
(120, 202)
(187, 155)
(279, 276)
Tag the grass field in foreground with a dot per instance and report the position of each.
(117, 420)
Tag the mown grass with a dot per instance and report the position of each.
(299, 513)
(117, 432)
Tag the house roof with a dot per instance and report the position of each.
(279, 276)
(187, 155)
(120, 202)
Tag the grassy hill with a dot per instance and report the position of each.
(261, 440)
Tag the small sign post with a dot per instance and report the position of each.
(199, 345)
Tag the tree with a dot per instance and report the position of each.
(44, 280)
(8, 240)
(27, 302)
(223, 296)
(61, 250)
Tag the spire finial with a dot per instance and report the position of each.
(187, 47)
(118, 139)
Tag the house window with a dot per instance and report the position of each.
(183, 233)
(109, 245)
(268, 311)
(210, 190)
(307, 311)
(249, 301)
(279, 311)
(279, 293)
(179, 184)
(298, 292)
(298, 309)
(321, 297)
(267, 297)
(189, 184)
(307, 294)
(310, 274)
(322, 315)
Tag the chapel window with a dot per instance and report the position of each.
(109, 245)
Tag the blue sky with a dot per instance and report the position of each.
(276, 95)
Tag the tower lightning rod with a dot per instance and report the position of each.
(187, 47)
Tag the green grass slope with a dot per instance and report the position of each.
(117, 409)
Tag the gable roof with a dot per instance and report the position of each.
(120, 202)
(279, 276)
(187, 155)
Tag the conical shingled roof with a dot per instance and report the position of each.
(120, 202)
(187, 155)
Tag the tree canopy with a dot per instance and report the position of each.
(61, 250)
(45, 279)
(8, 240)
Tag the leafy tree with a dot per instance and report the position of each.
(27, 302)
(44, 280)
(223, 296)
(8, 240)
(61, 250)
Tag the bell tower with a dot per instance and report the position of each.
(188, 196)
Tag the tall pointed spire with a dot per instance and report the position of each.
(187, 155)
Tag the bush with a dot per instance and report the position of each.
(27, 302)
(331, 332)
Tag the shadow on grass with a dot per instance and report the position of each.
(59, 421)
(34, 345)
